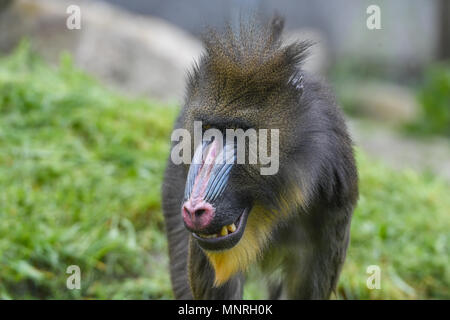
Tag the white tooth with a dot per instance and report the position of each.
(231, 227)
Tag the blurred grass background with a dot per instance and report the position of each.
(80, 175)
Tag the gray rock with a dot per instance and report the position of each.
(399, 151)
(136, 54)
(382, 101)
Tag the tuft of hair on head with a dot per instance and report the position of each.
(250, 60)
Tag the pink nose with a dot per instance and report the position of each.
(197, 215)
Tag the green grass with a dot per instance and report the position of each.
(80, 169)
(401, 224)
(80, 175)
(434, 98)
(432, 93)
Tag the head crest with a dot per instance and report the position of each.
(249, 61)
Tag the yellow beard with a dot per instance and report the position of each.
(256, 235)
(227, 263)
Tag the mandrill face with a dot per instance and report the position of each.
(213, 210)
(232, 189)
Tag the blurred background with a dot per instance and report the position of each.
(85, 123)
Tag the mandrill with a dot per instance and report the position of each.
(223, 215)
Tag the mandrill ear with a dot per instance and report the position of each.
(296, 80)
